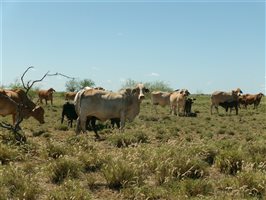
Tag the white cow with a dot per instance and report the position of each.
(106, 105)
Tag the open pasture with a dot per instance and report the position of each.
(158, 156)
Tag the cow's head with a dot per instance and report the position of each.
(140, 90)
(38, 114)
(185, 92)
(51, 90)
(238, 91)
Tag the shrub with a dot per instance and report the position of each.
(91, 161)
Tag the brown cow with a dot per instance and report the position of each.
(8, 106)
(70, 96)
(178, 99)
(248, 99)
(28, 107)
(46, 95)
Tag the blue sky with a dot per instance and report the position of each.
(199, 45)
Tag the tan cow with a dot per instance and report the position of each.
(46, 95)
(28, 107)
(70, 96)
(248, 99)
(8, 106)
(106, 105)
(178, 99)
(160, 98)
(219, 97)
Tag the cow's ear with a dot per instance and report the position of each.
(146, 90)
(181, 92)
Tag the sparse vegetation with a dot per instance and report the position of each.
(158, 156)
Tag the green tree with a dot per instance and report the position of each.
(86, 83)
(153, 86)
(129, 83)
(72, 85)
(75, 85)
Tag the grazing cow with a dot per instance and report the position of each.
(231, 104)
(160, 98)
(8, 106)
(178, 99)
(221, 97)
(46, 95)
(188, 106)
(70, 95)
(29, 108)
(106, 105)
(248, 99)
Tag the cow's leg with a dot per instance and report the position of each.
(211, 108)
(94, 127)
(78, 128)
(46, 101)
(122, 121)
(236, 107)
(51, 101)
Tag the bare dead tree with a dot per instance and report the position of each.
(29, 84)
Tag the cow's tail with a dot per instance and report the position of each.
(77, 102)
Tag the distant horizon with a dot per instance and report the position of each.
(199, 45)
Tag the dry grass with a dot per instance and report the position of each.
(159, 156)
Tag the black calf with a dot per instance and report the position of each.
(231, 104)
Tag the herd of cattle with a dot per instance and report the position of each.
(91, 104)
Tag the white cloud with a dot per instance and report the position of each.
(95, 68)
(209, 83)
(122, 80)
(154, 74)
(119, 34)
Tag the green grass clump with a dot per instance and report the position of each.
(129, 138)
(63, 168)
(15, 184)
(55, 150)
(194, 188)
(7, 154)
(230, 161)
(121, 172)
(70, 190)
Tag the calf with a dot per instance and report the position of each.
(188, 106)
(231, 104)
(69, 112)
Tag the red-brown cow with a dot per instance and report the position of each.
(248, 99)
(46, 95)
